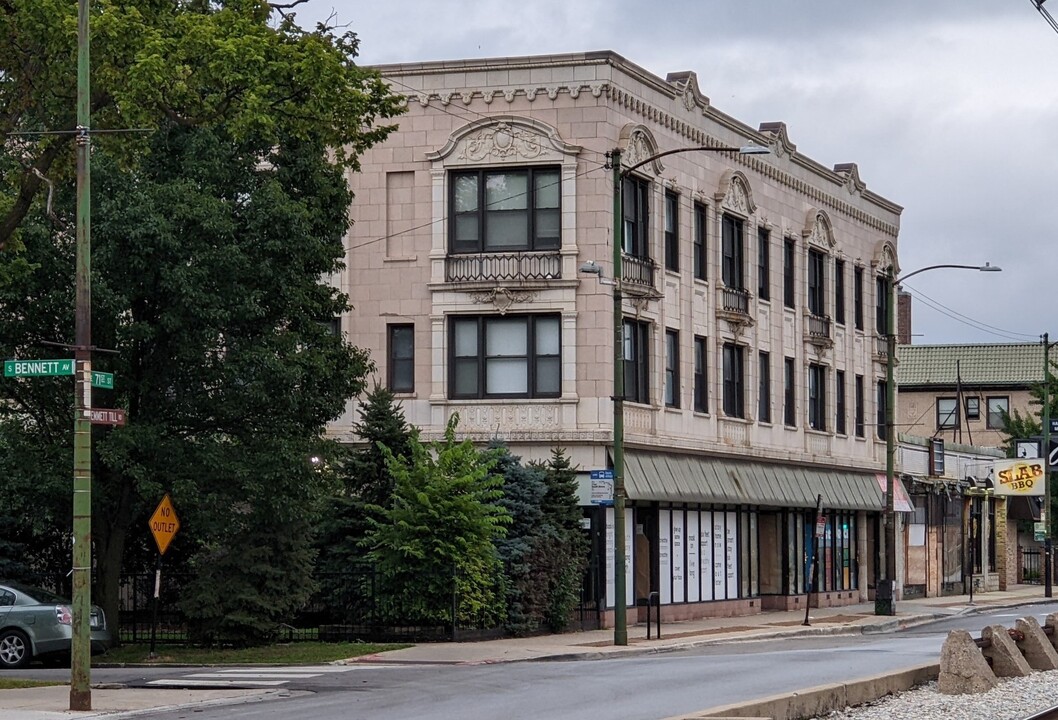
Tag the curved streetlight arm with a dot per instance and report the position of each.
(744, 150)
(982, 268)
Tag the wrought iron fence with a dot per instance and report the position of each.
(503, 266)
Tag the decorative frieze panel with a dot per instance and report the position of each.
(504, 138)
(817, 444)
(514, 415)
(640, 420)
(530, 93)
(734, 432)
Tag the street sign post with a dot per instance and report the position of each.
(106, 416)
(37, 368)
(164, 525)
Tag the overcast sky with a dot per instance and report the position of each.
(949, 107)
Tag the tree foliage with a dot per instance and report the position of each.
(220, 63)
(1025, 425)
(434, 546)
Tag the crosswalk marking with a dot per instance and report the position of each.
(257, 676)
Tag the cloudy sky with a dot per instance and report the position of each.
(949, 107)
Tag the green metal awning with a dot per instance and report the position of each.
(690, 479)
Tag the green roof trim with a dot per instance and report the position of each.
(975, 365)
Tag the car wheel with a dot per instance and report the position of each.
(14, 649)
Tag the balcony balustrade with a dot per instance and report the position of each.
(479, 267)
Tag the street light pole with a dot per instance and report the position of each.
(885, 601)
(1048, 548)
(80, 644)
(620, 611)
(620, 633)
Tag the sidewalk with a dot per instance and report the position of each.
(50, 703)
(695, 633)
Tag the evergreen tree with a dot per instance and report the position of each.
(436, 541)
(524, 490)
(563, 553)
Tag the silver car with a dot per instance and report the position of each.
(35, 623)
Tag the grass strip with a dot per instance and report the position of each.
(282, 654)
(17, 683)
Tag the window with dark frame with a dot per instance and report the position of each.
(732, 252)
(973, 408)
(672, 368)
(817, 283)
(861, 430)
(817, 397)
(857, 297)
(635, 205)
(764, 387)
(637, 361)
(509, 210)
(789, 411)
(881, 306)
(763, 264)
(701, 225)
(672, 231)
(839, 403)
(881, 399)
(505, 356)
(947, 413)
(839, 292)
(997, 408)
(789, 272)
(400, 352)
(734, 377)
(701, 375)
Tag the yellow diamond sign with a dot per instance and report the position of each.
(164, 524)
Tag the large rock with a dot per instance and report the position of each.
(963, 669)
(1036, 647)
(1007, 660)
(1051, 621)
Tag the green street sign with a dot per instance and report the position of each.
(38, 368)
(103, 380)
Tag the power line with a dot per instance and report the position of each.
(966, 320)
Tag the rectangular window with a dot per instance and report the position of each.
(789, 250)
(400, 353)
(860, 430)
(763, 264)
(672, 231)
(764, 388)
(636, 361)
(701, 376)
(505, 356)
(734, 395)
(857, 297)
(973, 408)
(839, 402)
(881, 306)
(701, 219)
(672, 369)
(789, 413)
(997, 408)
(635, 205)
(817, 283)
(882, 398)
(817, 397)
(947, 413)
(505, 210)
(732, 251)
(839, 292)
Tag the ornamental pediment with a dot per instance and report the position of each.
(504, 138)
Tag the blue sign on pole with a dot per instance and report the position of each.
(602, 487)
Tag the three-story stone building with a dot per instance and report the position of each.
(753, 370)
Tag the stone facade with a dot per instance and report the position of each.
(559, 117)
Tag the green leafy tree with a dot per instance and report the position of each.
(209, 263)
(192, 64)
(1024, 425)
(436, 541)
